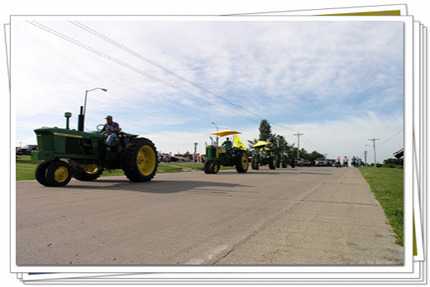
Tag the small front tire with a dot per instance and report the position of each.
(214, 167)
(58, 173)
(40, 172)
(207, 167)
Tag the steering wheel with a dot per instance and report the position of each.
(100, 127)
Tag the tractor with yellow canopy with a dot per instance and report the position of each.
(263, 156)
(228, 154)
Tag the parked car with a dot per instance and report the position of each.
(322, 162)
(299, 161)
(306, 162)
(27, 149)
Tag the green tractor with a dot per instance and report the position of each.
(67, 153)
(226, 155)
(263, 156)
(282, 160)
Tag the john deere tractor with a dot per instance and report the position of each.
(282, 160)
(67, 153)
(226, 155)
(263, 156)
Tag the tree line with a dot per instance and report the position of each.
(279, 144)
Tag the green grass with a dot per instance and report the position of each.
(25, 168)
(387, 185)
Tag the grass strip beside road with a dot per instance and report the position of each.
(387, 185)
(25, 168)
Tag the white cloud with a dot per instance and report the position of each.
(292, 73)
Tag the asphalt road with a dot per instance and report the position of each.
(301, 216)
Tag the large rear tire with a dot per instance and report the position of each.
(139, 160)
(58, 173)
(254, 163)
(242, 162)
(272, 162)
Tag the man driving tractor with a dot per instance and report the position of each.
(111, 129)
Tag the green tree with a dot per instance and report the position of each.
(313, 156)
(265, 131)
(393, 162)
(279, 144)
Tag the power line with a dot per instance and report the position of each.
(392, 137)
(101, 54)
(115, 43)
(307, 139)
(88, 29)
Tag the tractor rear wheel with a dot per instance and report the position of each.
(272, 162)
(242, 162)
(85, 172)
(139, 160)
(254, 163)
(40, 172)
(58, 173)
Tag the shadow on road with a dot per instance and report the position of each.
(316, 173)
(265, 172)
(156, 186)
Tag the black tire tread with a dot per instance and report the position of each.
(40, 172)
(238, 164)
(129, 164)
(50, 170)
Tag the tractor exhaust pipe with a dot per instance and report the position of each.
(81, 119)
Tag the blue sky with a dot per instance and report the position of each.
(339, 83)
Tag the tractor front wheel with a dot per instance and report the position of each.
(58, 173)
(207, 167)
(40, 172)
(214, 167)
(139, 160)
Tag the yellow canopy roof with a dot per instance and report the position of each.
(261, 143)
(225, 132)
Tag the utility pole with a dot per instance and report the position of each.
(374, 150)
(195, 152)
(298, 142)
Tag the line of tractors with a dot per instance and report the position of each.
(239, 157)
(65, 153)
